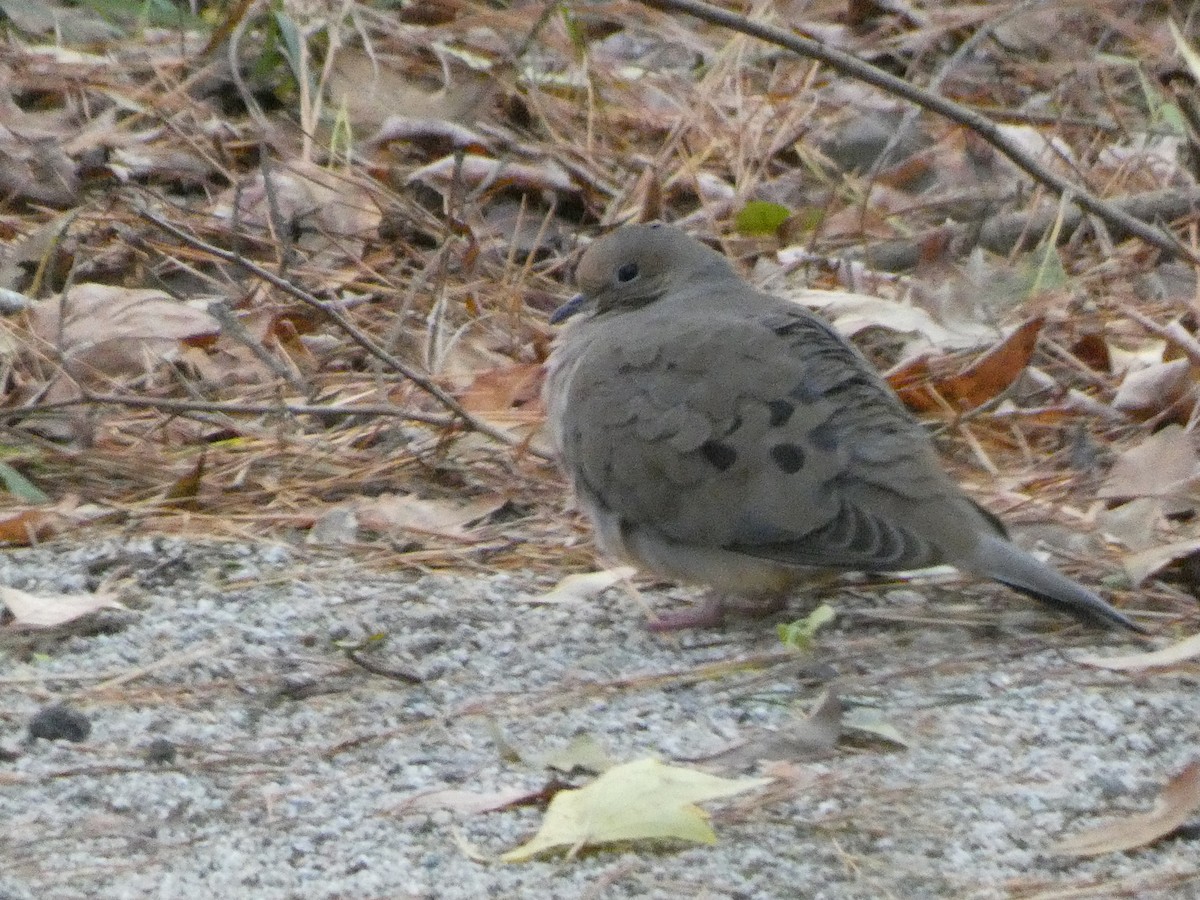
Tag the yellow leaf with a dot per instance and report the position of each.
(640, 800)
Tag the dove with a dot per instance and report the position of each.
(718, 435)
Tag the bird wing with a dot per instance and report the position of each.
(763, 433)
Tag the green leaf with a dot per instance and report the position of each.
(760, 217)
(640, 800)
(20, 486)
(289, 39)
(799, 635)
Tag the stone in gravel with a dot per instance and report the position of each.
(60, 723)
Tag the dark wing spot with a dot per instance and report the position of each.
(781, 411)
(825, 437)
(722, 456)
(789, 457)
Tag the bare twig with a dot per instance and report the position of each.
(245, 409)
(1021, 230)
(848, 64)
(336, 316)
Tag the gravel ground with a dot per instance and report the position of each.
(292, 764)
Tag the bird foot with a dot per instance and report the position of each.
(714, 610)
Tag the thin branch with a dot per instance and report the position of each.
(247, 409)
(851, 65)
(336, 316)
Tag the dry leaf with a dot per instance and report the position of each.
(448, 518)
(1133, 523)
(583, 585)
(28, 526)
(476, 172)
(641, 800)
(52, 610)
(104, 331)
(1160, 466)
(984, 380)
(497, 394)
(1180, 798)
(583, 753)
(1146, 392)
(1182, 651)
(1140, 566)
(851, 313)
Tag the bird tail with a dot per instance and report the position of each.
(1003, 561)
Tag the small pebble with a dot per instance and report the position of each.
(60, 723)
(160, 751)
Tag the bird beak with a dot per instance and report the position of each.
(568, 309)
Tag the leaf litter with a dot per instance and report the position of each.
(427, 173)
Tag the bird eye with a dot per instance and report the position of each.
(627, 272)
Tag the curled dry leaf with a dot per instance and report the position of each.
(851, 313)
(436, 133)
(334, 213)
(26, 527)
(1180, 799)
(1149, 391)
(1140, 566)
(23, 527)
(1160, 466)
(477, 172)
(104, 332)
(1181, 651)
(983, 380)
(584, 585)
(53, 610)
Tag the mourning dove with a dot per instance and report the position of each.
(715, 434)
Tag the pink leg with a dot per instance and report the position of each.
(713, 610)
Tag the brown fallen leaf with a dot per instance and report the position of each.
(25, 526)
(500, 391)
(1180, 798)
(1160, 466)
(983, 380)
(28, 526)
(103, 331)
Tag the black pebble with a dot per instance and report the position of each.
(160, 751)
(60, 723)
